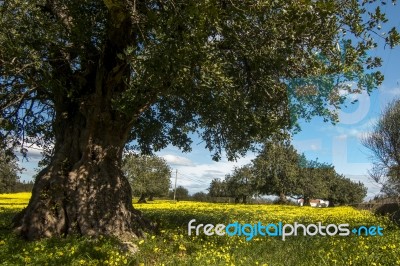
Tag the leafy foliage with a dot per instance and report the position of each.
(181, 193)
(200, 196)
(276, 168)
(280, 170)
(220, 69)
(345, 191)
(149, 176)
(241, 183)
(314, 178)
(217, 188)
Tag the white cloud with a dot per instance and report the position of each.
(34, 153)
(314, 147)
(359, 132)
(177, 160)
(345, 133)
(308, 145)
(197, 177)
(342, 137)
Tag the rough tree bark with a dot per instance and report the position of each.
(83, 189)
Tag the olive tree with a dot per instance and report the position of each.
(149, 176)
(86, 77)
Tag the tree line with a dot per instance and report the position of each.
(281, 171)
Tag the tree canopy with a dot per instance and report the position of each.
(217, 68)
(181, 193)
(86, 77)
(149, 176)
(241, 184)
(276, 168)
(218, 188)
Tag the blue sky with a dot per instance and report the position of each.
(337, 144)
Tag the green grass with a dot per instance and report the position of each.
(173, 246)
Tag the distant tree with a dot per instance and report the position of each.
(149, 176)
(320, 180)
(200, 196)
(8, 172)
(339, 189)
(312, 179)
(355, 192)
(384, 143)
(181, 193)
(241, 183)
(218, 188)
(276, 169)
(280, 170)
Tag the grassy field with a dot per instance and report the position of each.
(173, 246)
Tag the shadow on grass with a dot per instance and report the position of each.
(71, 250)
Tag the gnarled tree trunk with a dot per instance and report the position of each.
(83, 190)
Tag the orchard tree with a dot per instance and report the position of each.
(313, 181)
(241, 183)
(276, 169)
(217, 188)
(86, 77)
(149, 176)
(384, 143)
(200, 196)
(181, 193)
(320, 180)
(342, 190)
